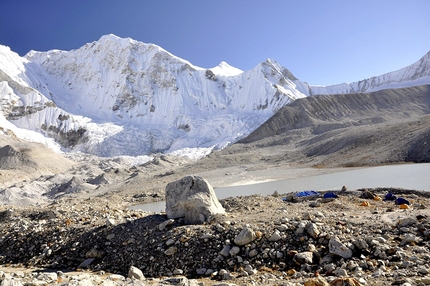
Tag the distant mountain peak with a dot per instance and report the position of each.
(226, 70)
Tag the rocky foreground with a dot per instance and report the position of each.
(355, 239)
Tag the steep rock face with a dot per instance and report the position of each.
(28, 108)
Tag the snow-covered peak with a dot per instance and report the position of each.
(119, 96)
(224, 69)
(415, 74)
(12, 64)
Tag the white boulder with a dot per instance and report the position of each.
(193, 198)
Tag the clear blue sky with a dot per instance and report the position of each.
(321, 42)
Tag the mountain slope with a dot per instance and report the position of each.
(361, 129)
(324, 112)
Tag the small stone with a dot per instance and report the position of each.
(110, 236)
(225, 275)
(225, 251)
(110, 222)
(406, 222)
(338, 248)
(250, 270)
(360, 244)
(313, 230)
(86, 263)
(116, 277)
(303, 257)
(253, 253)
(423, 270)
(178, 272)
(171, 251)
(276, 236)
(48, 276)
(246, 236)
(311, 247)
(410, 237)
(170, 242)
(201, 271)
(234, 250)
(164, 224)
(135, 273)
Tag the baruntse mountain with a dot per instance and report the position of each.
(122, 97)
(119, 96)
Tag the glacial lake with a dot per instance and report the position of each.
(406, 176)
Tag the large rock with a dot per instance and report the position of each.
(193, 198)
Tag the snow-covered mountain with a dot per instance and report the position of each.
(412, 75)
(119, 96)
(123, 97)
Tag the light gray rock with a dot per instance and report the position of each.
(234, 250)
(193, 198)
(246, 236)
(253, 253)
(276, 236)
(250, 270)
(225, 275)
(164, 224)
(110, 222)
(409, 237)
(225, 251)
(135, 273)
(407, 222)
(313, 230)
(303, 257)
(337, 247)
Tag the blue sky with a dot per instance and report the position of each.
(321, 42)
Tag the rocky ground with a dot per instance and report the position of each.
(261, 240)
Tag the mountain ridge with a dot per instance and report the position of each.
(118, 96)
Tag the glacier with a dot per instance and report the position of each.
(121, 97)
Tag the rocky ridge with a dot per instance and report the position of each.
(262, 240)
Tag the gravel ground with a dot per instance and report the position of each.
(286, 242)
